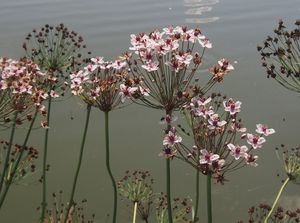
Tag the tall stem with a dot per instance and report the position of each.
(276, 200)
(168, 178)
(11, 177)
(6, 161)
(197, 196)
(208, 194)
(71, 201)
(134, 212)
(44, 191)
(108, 167)
(168, 172)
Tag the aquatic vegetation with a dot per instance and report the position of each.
(280, 56)
(163, 70)
(20, 90)
(164, 66)
(21, 164)
(137, 188)
(100, 84)
(257, 214)
(78, 213)
(21, 99)
(291, 163)
(181, 209)
(220, 140)
(56, 49)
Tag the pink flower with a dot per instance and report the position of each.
(236, 126)
(90, 67)
(205, 43)
(215, 122)
(208, 157)
(197, 102)
(237, 151)
(251, 159)
(119, 64)
(44, 125)
(126, 92)
(263, 129)
(171, 138)
(168, 119)
(97, 60)
(255, 141)
(144, 91)
(225, 65)
(231, 106)
(53, 94)
(151, 66)
(185, 58)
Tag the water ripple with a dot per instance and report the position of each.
(198, 7)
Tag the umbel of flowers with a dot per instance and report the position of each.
(280, 56)
(20, 89)
(21, 94)
(100, 84)
(165, 65)
(56, 49)
(291, 163)
(221, 142)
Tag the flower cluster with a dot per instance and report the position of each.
(136, 187)
(27, 156)
(166, 63)
(182, 210)
(21, 89)
(258, 214)
(78, 213)
(291, 163)
(101, 83)
(57, 50)
(280, 56)
(221, 143)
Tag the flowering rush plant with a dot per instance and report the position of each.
(164, 65)
(100, 83)
(221, 142)
(21, 89)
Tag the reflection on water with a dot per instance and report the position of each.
(198, 7)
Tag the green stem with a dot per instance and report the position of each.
(208, 194)
(44, 192)
(71, 201)
(5, 165)
(134, 212)
(277, 198)
(168, 178)
(11, 177)
(108, 166)
(168, 172)
(197, 196)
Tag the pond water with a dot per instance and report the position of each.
(235, 27)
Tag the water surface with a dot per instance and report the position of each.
(235, 27)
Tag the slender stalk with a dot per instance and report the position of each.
(5, 165)
(208, 194)
(168, 178)
(277, 198)
(11, 177)
(168, 173)
(108, 166)
(44, 191)
(134, 212)
(71, 201)
(197, 196)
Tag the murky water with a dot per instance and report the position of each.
(234, 26)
